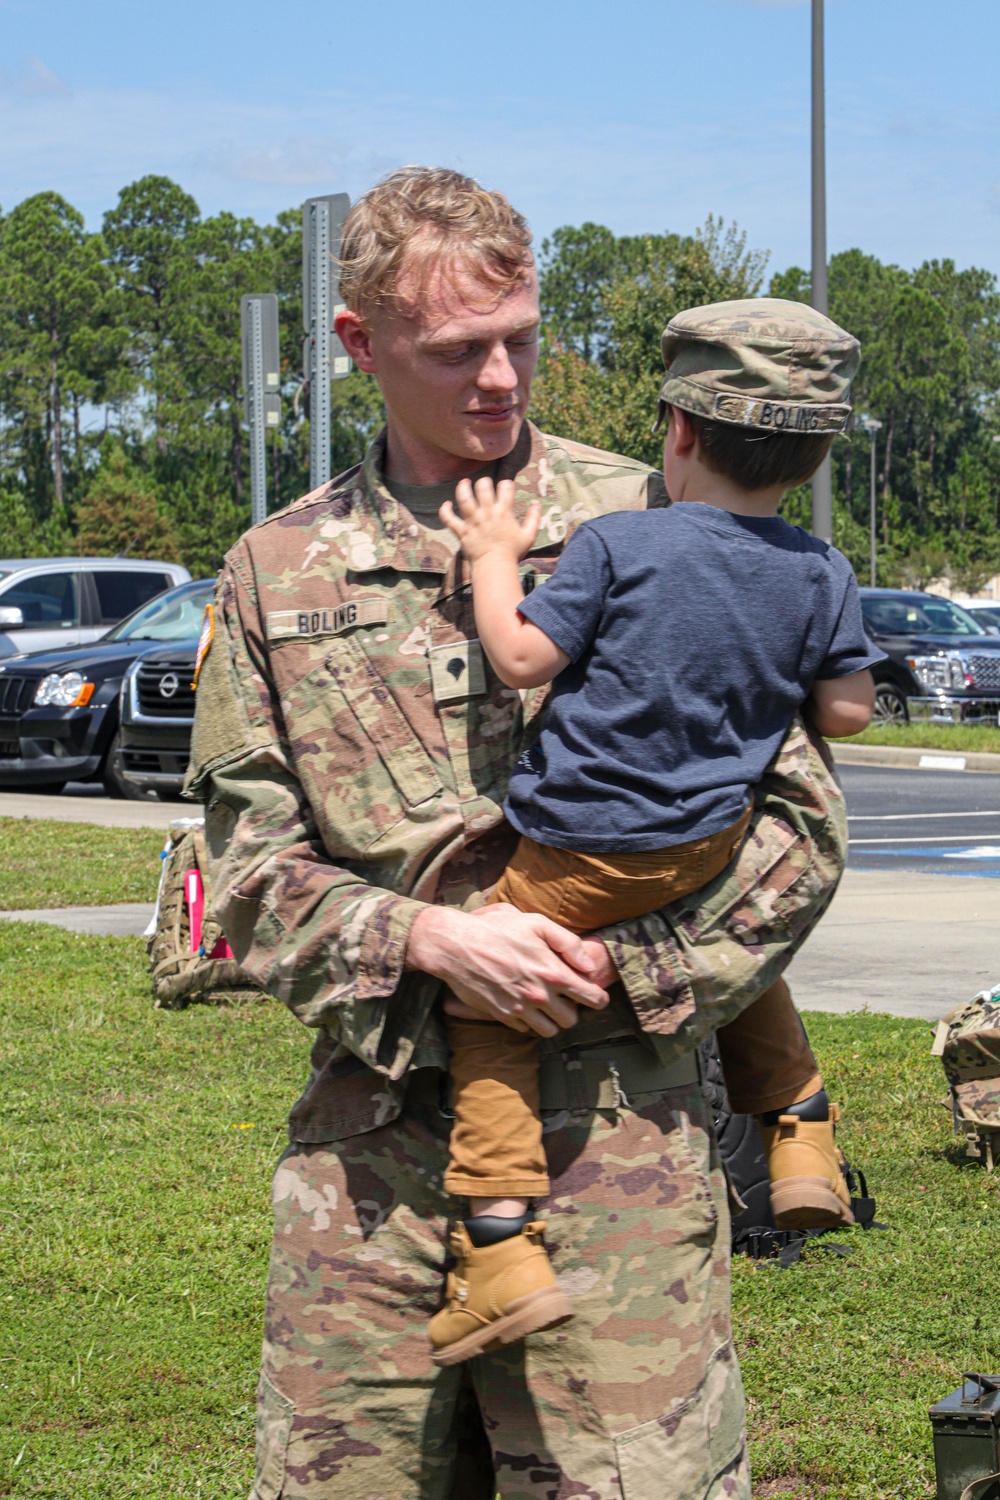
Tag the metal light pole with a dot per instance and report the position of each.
(324, 357)
(822, 485)
(261, 387)
(872, 427)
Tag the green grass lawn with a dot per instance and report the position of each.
(958, 738)
(136, 1148)
(75, 864)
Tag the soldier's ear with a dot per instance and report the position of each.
(355, 335)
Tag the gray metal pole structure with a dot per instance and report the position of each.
(320, 278)
(873, 428)
(822, 485)
(261, 387)
(255, 413)
(324, 356)
(871, 579)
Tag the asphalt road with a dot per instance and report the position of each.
(932, 822)
(915, 926)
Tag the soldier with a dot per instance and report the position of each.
(353, 749)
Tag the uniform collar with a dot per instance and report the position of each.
(394, 538)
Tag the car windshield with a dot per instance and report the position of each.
(918, 617)
(175, 616)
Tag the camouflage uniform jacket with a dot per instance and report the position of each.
(353, 746)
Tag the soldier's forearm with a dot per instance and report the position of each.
(312, 932)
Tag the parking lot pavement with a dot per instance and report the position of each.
(931, 822)
(129, 919)
(90, 809)
(909, 944)
(903, 934)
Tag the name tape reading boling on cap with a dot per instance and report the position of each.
(762, 362)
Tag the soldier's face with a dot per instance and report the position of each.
(455, 366)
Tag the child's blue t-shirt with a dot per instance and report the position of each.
(694, 636)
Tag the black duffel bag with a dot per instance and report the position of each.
(742, 1152)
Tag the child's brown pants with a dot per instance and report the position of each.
(496, 1140)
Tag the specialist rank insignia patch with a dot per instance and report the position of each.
(457, 671)
(332, 619)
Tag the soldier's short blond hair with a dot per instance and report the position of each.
(417, 217)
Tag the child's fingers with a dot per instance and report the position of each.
(446, 513)
(465, 499)
(531, 523)
(505, 494)
(485, 493)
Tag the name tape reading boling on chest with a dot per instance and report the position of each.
(457, 671)
(302, 624)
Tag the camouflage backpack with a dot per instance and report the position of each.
(181, 976)
(968, 1044)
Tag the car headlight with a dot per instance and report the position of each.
(63, 690)
(939, 673)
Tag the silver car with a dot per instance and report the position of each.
(50, 602)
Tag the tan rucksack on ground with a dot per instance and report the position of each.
(967, 1041)
(181, 977)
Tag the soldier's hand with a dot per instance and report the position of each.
(487, 522)
(506, 965)
(604, 971)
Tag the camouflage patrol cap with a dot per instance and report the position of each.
(762, 362)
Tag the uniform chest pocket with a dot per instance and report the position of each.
(357, 756)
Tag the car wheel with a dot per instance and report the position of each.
(890, 705)
(115, 781)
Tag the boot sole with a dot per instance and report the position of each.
(547, 1308)
(808, 1203)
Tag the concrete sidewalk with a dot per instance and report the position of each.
(106, 811)
(913, 945)
(129, 919)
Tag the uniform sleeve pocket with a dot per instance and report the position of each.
(698, 1444)
(274, 1425)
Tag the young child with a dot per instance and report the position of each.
(680, 643)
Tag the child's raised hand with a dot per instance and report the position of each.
(485, 520)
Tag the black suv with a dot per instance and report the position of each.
(59, 709)
(157, 712)
(943, 666)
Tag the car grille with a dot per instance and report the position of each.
(16, 693)
(150, 680)
(155, 762)
(986, 670)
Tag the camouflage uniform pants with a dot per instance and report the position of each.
(637, 1397)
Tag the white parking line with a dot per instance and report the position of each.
(933, 838)
(912, 817)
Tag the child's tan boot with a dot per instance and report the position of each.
(495, 1295)
(808, 1188)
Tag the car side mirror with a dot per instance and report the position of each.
(11, 618)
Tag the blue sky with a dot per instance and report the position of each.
(640, 114)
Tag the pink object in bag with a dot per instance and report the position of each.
(194, 896)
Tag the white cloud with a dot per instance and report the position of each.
(36, 80)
